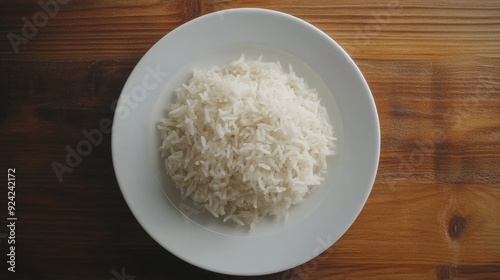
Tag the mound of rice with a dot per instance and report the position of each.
(246, 140)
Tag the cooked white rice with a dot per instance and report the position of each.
(246, 140)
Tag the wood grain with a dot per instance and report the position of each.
(434, 71)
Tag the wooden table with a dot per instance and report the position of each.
(433, 68)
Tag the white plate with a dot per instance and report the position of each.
(273, 245)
